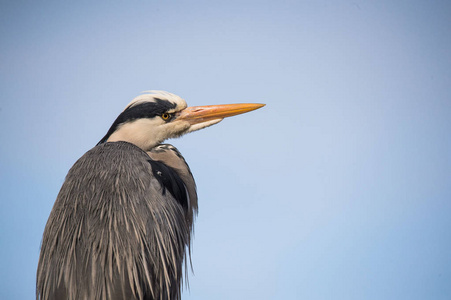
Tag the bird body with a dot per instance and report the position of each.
(123, 219)
(133, 245)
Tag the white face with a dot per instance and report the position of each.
(146, 133)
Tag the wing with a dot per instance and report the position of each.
(118, 230)
(174, 161)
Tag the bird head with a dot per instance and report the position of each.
(155, 116)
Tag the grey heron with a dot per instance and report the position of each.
(121, 225)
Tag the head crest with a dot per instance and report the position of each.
(153, 95)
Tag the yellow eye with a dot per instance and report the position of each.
(165, 116)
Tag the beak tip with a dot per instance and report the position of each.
(255, 106)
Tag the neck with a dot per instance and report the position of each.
(138, 132)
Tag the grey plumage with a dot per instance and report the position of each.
(121, 225)
(116, 245)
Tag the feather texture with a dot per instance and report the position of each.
(113, 233)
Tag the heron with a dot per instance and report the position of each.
(122, 223)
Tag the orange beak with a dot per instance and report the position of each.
(200, 114)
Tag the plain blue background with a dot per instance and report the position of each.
(340, 188)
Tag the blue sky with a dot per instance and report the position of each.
(340, 188)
